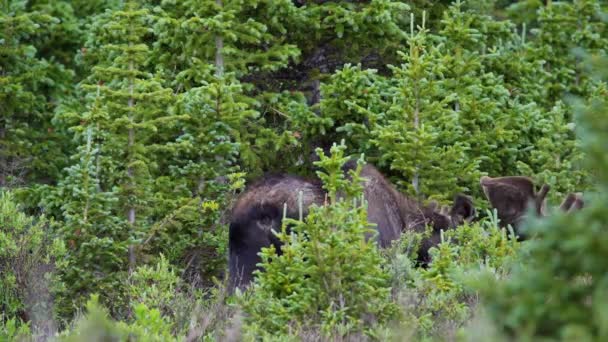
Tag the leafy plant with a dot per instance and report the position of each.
(27, 254)
(96, 325)
(438, 301)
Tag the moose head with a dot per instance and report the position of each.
(511, 196)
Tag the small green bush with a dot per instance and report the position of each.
(11, 330)
(27, 253)
(438, 301)
(96, 325)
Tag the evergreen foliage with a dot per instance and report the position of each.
(559, 290)
(27, 253)
(430, 153)
(30, 149)
(438, 301)
(466, 114)
(96, 325)
(109, 188)
(128, 127)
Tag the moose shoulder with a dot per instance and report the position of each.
(259, 211)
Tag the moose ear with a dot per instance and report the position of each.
(567, 202)
(572, 202)
(540, 199)
(579, 203)
(463, 209)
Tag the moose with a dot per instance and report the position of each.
(512, 195)
(259, 211)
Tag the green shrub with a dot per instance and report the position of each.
(27, 253)
(11, 330)
(96, 325)
(438, 301)
(154, 286)
(159, 287)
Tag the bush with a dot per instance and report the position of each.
(154, 286)
(13, 331)
(27, 251)
(188, 317)
(95, 325)
(438, 301)
(159, 287)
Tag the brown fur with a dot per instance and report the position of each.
(271, 190)
(394, 212)
(572, 202)
(259, 210)
(512, 195)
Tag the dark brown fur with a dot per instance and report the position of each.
(512, 195)
(572, 202)
(259, 210)
(394, 212)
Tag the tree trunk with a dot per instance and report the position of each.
(219, 72)
(219, 46)
(130, 174)
(416, 179)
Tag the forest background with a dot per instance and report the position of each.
(127, 128)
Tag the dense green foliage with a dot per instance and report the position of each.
(560, 290)
(28, 252)
(128, 127)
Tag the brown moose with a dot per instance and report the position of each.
(512, 195)
(259, 210)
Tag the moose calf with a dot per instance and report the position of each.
(511, 195)
(259, 210)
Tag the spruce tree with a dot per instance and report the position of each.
(135, 101)
(96, 241)
(500, 123)
(196, 169)
(562, 27)
(420, 136)
(193, 33)
(30, 149)
(491, 117)
(352, 103)
(545, 141)
(212, 35)
(202, 49)
(109, 188)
